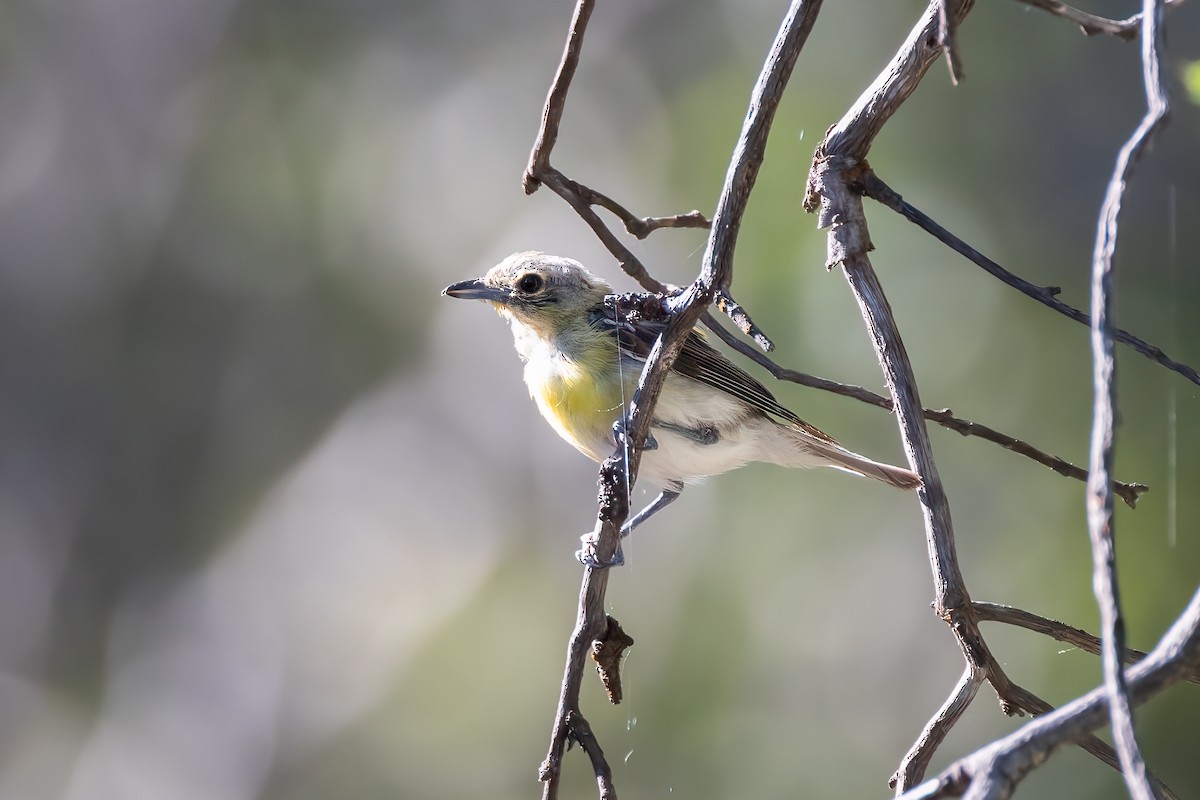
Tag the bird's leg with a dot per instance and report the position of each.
(665, 499)
(704, 433)
(619, 434)
(587, 555)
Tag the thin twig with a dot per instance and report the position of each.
(1059, 631)
(1129, 492)
(582, 198)
(571, 191)
(872, 186)
(538, 171)
(1091, 24)
(852, 136)
(556, 98)
(581, 732)
(948, 39)
(641, 227)
(569, 723)
(916, 760)
(1100, 502)
(741, 318)
(1035, 706)
(992, 772)
(552, 113)
(716, 272)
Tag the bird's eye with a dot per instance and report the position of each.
(529, 283)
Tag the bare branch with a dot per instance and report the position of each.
(641, 227)
(1035, 706)
(741, 318)
(849, 241)
(571, 191)
(620, 470)
(1129, 492)
(838, 165)
(569, 724)
(538, 171)
(839, 175)
(716, 272)
(581, 198)
(1099, 499)
(1059, 631)
(852, 136)
(948, 39)
(556, 98)
(994, 771)
(876, 189)
(591, 623)
(581, 732)
(1091, 24)
(916, 760)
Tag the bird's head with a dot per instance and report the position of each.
(542, 292)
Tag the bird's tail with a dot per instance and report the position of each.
(894, 476)
(797, 448)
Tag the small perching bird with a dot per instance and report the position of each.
(582, 365)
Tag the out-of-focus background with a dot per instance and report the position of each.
(278, 521)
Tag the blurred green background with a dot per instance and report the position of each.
(276, 521)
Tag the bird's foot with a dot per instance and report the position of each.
(588, 557)
(621, 436)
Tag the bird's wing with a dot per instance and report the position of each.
(702, 362)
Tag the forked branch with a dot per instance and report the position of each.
(1129, 492)
(620, 470)
(1093, 25)
(837, 177)
(993, 772)
(1059, 631)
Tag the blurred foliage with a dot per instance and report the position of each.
(276, 522)
(1191, 80)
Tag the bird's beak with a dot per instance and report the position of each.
(476, 290)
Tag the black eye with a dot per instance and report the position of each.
(529, 283)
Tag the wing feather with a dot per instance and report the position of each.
(702, 362)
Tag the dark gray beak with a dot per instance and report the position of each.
(476, 290)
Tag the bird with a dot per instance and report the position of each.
(582, 364)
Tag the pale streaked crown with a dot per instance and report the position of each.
(544, 291)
